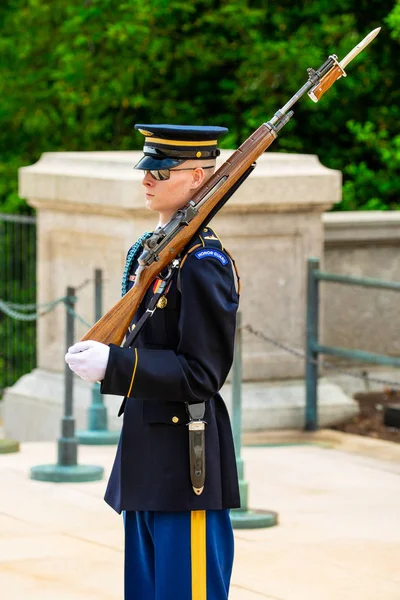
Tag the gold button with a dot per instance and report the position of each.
(198, 154)
(175, 419)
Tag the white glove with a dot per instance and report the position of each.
(88, 360)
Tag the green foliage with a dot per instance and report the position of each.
(79, 75)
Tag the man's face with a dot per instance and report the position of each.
(167, 196)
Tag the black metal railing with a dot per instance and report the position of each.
(17, 285)
(314, 348)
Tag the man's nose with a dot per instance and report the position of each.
(148, 180)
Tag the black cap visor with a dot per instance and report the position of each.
(149, 163)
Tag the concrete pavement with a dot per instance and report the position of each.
(338, 534)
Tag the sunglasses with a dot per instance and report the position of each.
(164, 174)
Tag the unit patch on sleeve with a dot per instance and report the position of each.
(211, 253)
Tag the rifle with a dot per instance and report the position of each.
(168, 241)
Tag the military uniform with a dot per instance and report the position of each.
(183, 355)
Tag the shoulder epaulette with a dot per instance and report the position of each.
(211, 239)
(205, 238)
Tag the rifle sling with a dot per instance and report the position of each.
(152, 307)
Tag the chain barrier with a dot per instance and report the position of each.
(72, 312)
(320, 363)
(17, 311)
(83, 284)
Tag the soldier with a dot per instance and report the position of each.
(178, 537)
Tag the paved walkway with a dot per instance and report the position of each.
(338, 536)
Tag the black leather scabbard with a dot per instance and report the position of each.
(197, 441)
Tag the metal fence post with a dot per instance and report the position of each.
(68, 444)
(243, 518)
(97, 432)
(311, 366)
(67, 468)
(237, 410)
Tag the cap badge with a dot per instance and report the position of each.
(145, 132)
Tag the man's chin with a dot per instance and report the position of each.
(150, 204)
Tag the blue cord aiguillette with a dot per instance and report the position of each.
(132, 255)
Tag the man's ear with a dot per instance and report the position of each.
(197, 177)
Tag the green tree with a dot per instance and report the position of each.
(79, 75)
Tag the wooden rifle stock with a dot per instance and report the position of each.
(112, 327)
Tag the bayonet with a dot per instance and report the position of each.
(359, 48)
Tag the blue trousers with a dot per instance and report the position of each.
(178, 555)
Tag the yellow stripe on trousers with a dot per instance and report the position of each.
(199, 560)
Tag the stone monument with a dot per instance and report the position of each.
(90, 209)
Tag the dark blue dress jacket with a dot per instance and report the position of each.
(183, 354)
